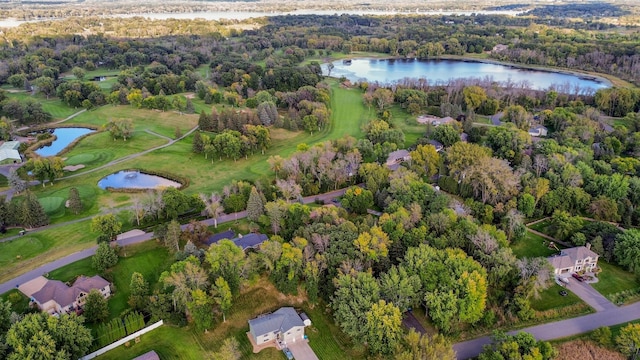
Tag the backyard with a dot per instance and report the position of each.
(532, 246)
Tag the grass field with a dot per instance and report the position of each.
(19, 302)
(53, 105)
(542, 226)
(164, 123)
(532, 246)
(32, 250)
(551, 299)
(407, 123)
(614, 279)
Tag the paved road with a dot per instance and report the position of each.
(559, 329)
(4, 287)
(589, 295)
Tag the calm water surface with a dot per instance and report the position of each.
(133, 179)
(441, 71)
(64, 137)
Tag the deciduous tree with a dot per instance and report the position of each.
(96, 308)
(222, 295)
(383, 327)
(108, 226)
(105, 257)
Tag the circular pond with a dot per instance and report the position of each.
(64, 137)
(134, 179)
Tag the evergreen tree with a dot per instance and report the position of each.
(198, 144)
(255, 205)
(75, 203)
(105, 257)
(95, 307)
(204, 122)
(32, 213)
(189, 109)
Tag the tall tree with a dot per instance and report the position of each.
(139, 290)
(255, 205)
(96, 308)
(628, 341)
(201, 309)
(520, 346)
(222, 295)
(399, 288)
(184, 277)
(355, 295)
(32, 213)
(108, 226)
(172, 238)
(230, 350)
(213, 207)
(42, 336)
(226, 260)
(383, 327)
(627, 250)
(75, 203)
(425, 160)
(105, 257)
(425, 347)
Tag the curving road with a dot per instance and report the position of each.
(559, 329)
(15, 282)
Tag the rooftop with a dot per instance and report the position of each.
(281, 320)
(568, 257)
(229, 234)
(250, 240)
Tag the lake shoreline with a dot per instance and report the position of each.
(608, 80)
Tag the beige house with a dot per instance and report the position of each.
(574, 259)
(435, 120)
(284, 325)
(55, 297)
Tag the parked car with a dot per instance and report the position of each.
(288, 353)
(577, 277)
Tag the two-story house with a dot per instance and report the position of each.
(55, 297)
(575, 259)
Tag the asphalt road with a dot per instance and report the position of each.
(15, 282)
(559, 329)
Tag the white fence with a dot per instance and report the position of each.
(122, 341)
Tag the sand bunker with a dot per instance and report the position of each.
(73, 167)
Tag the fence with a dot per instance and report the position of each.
(122, 341)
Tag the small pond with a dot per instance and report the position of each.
(134, 179)
(388, 71)
(64, 137)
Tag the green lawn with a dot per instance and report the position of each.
(53, 105)
(614, 279)
(3, 181)
(551, 299)
(532, 246)
(99, 149)
(542, 226)
(407, 123)
(19, 302)
(168, 341)
(35, 249)
(163, 123)
(148, 258)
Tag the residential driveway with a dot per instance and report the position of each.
(589, 295)
(301, 350)
(410, 322)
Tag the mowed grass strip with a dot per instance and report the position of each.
(532, 246)
(551, 299)
(36, 249)
(161, 122)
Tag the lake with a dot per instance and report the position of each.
(134, 179)
(388, 71)
(64, 137)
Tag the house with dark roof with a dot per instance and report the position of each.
(55, 297)
(250, 241)
(572, 260)
(229, 234)
(436, 144)
(283, 325)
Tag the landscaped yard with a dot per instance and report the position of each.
(613, 279)
(532, 246)
(551, 299)
(148, 258)
(168, 341)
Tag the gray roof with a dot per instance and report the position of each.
(9, 150)
(250, 240)
(151, 355)
(437, 144)
(65, 295)
(568, 257)
(282, 320)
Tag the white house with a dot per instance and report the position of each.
(55, 297)
(9, 152)
(538, 131)
(283, 325)
(574, 259)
